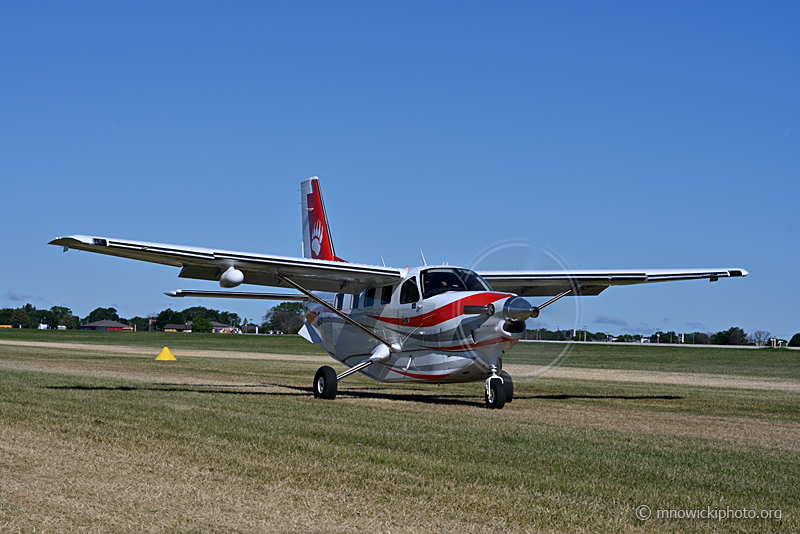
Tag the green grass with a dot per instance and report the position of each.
(121, 443)
(178, 340)
(777, 363)
(765, 362)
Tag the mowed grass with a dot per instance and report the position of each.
(115, 442)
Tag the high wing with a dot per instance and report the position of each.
(592, 282)
(258, 269)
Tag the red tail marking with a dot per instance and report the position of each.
(321, 242)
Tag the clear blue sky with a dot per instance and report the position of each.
(605, 134)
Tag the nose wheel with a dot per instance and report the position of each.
(495, 395)
(499, 389)
(509, 384)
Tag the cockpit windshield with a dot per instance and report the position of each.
(443, 279)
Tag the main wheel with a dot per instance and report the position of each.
(325, 383)
(496, 397)
(509, 384)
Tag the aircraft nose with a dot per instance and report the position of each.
(519, 309)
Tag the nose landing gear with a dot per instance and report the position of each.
(499, 389)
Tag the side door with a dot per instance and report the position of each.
(409, 309)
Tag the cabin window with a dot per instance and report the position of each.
(355, 301)
(369, 297)
(339, 301)
(386, 295)
(409, 291)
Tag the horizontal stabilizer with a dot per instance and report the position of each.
(236, 295)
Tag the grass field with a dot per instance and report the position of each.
(96, 436)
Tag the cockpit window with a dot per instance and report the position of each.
(443, 279)
(473, 281)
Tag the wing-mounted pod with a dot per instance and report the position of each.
(231, 278)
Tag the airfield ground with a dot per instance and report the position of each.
(96, 436)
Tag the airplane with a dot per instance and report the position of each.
(432, 324)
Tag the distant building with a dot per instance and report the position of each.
(217, 328)
(108, 326)
(220, 328)
(178, 327)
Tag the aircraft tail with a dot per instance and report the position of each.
(317, 241)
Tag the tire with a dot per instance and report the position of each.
(325, 383)
(497, 398)
(509, 384)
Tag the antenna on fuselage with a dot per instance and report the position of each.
(423, 257)
(383, 262)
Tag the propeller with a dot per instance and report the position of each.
(517, 254)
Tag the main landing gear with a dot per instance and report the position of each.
(499, 390)
(499, 387)
(325, 383)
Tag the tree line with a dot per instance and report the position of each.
(731, 336)
(286, 317)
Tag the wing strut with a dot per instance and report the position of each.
(394, 347)
(562, 294)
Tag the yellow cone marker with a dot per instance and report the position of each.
(165, 354)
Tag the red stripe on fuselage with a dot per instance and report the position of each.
(445, 312)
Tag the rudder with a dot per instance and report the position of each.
(317, 241)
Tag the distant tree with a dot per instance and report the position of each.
(34, 315)
(49, 318)
(737, 336)
(795, 341)
(140, 323)
(697, 338)
(5, 315)
(287, 322)
(19, 318)
(68, 321)
(169, 316)
(294, 307)
(60, 311)
(760, 337)
(229, 318)
(201, 324)
(102, 314)
(731, 336)
(189, 314)
(286, 317)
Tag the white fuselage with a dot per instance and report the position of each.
(439, 342)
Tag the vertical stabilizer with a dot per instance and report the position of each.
(317, 241)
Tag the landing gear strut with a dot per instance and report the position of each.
(495, 391)
(326, 382)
